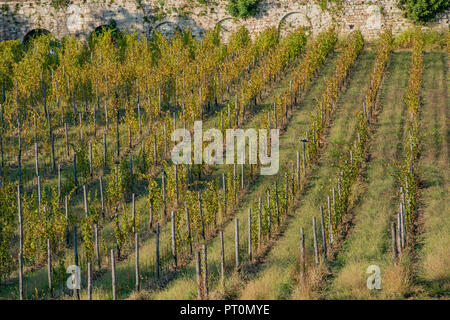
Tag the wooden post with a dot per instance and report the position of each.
(330, 225)
(234, 184)
(222, 257)
(89, 286)
(49, 268)
(224, 194)
(136, 241)
(303, 157)
(131, 169)
(117, 137)
(286, 194)
(75, 169)
(163, 180)
(394, 243)
(75, 252)
(242, 176)
(53, 153)
(105, 157)
(102, 200)
(298, 168)
(250, 234)
(205, 271)
(144, 161)
(403, 228)
(277, 203)
(275, 115)
(188, 227)
(188, 175)
(36, 154)
(97, 247)
(201, 216)
(399, 232)
(165, 139)
(39, 194)
(155, 159)
(66, 207)
(159, 100)
(86, 207)
(157, 250)
(19, 156)
(334, 206)
(59, 181)
(236, 109)
(133, 212)
(198, 273)
(236, 241)
(138, 106)
(302, 254)
(293, 182)
(316, 248)
(259, 223)
(113, 275)
(324, 240)
(66, 139)
(269, 215)
(90, 159)
(174, 241)
(229, 116)
(150, 219)
(176, 181)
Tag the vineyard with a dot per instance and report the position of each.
(93, 207)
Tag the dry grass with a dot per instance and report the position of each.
(369, 241)
(278, 277)
(434, 242)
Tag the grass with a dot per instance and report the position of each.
(369, 240)
(278, 274)
(38, 278)
(434, 242)
(424, 273)
(184, 286)
(125, 269)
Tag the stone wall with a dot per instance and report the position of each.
(81, 17)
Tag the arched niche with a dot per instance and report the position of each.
(173, 25)
(34, 33)
(284, 18)
(220, 24)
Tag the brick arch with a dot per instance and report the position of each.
(222, 28)
(225, 19)
(283, 19)
(176, 26)
(101, 27)
(33, 33)
(107, 26)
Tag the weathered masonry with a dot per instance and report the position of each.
(80, 17)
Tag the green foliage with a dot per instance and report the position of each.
(423, 10)
(7, 227)
(11, 51)
(82, 152)
(48, 222)
(240, 38)
(295, 42)
(59, 4)
(108, 31)
(88, 242)
(433, 40)
(324, 4)
(242, 8)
